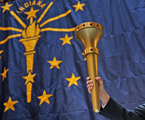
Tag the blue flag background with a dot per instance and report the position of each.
(42, 69)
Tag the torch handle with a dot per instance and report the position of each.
(92, 64)
(29, 91)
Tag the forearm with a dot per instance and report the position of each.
(104, 98)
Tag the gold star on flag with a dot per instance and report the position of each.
(54, 63)
(44, 98)
(78, 6)
(73, 80)
(6, 7)
(66, 39)
(29, 78)
(31, 13)
(1, 53)
(10, 104)
(4, 74)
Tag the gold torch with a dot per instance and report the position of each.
(89, 34)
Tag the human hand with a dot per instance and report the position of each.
(104, 97)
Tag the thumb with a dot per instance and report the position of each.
(101, 86)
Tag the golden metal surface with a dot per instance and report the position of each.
(89, 34)
(91, 50)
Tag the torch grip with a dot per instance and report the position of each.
(92, 64)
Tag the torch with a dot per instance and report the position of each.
(89, 34)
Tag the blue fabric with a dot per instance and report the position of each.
(121, 61)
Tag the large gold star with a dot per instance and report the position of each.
(31, 13)
(10, 104)
(6, 7)
(4, 74)
(66, 39)
(72, 80)
(78, 6)
(54, 63)
(44, 97)
(29, 78)
(1, 51)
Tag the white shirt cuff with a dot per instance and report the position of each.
(103, 106)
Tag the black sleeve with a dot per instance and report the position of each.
(114, 111)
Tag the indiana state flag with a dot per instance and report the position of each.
(42, 67)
